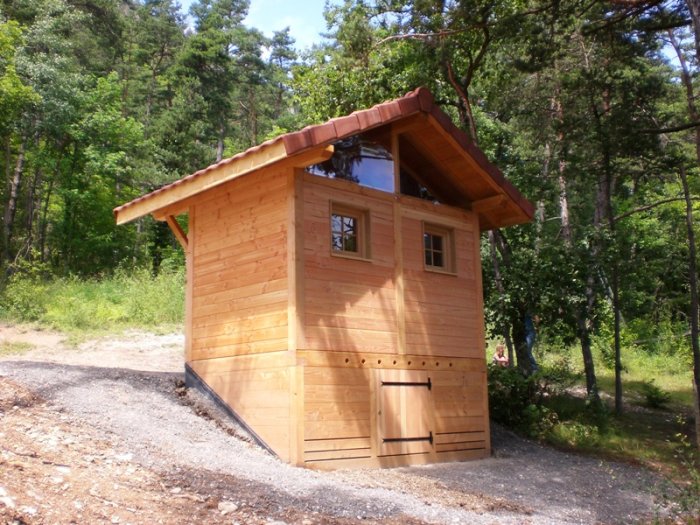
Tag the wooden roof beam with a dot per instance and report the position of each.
(177, 230)
(489, 203)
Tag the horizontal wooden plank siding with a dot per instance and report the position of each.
(240, 282)
(442, 310)
(336, 413)
(256, 387)
(349, 304)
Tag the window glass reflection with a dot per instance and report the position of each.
(359, 160)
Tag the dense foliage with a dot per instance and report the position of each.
(588, 107)
(104, 100)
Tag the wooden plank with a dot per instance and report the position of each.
(253, 160)
(189, 284)
(467, 445)
(385, 294)
(295, 258)
(354, 337)
(244, 307)
(250, 293)
(461, 222)
(403, 412)
(245, 362)
(323, 411)
(296, 414)
(467, 407)
(459, 437)
(243, 236)
(224, 315)
(263, 379)
(480, 334)
(257, 347)
(245, 336)
(323, 445)
(399, 269)
(261, 321)
(348, 321)
(445, 424)
(241, 274)
(397, 461)
(264, 156)
(177, 230)
(338, 393)
(338, 454)
(322, 358)
(335, 376)
(336, 429)
(263, 246)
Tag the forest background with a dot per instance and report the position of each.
(588, 106)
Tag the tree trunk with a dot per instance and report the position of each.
(694, 6)
(220, 143)
(581, 314)
(694, 329)
(501, 290)
(11, 204)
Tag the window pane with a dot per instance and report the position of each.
(349, 225)
(437, 242)
(426, 241)
(428, 258)
(437, 259)
(351, 243)
(337, 242)
(359, 160)
(336, 223)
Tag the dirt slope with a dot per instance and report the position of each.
(106, 434)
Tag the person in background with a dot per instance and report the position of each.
(499, 358)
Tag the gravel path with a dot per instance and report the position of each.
(150, 417)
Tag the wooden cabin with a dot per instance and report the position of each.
(334, 294)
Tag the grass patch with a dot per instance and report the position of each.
(13, 348)
(658, 438)
(88, 306)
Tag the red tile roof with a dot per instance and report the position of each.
(414, 102)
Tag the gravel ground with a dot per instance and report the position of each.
(131, 393)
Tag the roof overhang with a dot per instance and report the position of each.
(476, 183)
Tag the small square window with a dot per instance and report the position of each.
(349, 231)
(438, 248)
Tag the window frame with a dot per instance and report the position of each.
(361, 216)
(448, 248)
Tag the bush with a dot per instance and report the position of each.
(23, 299)
(654, 396)
(128, 299)
(518, 401)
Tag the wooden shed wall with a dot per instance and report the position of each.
(239, 288)
(349, 304)
(239, 297)
(368, 322)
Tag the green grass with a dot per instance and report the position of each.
(73, 305)
(13, 348)
(655, 437)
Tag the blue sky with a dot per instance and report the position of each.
(304, 18)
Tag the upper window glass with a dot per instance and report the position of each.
(438, 248)
(360, 160)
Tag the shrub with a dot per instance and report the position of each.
(654, 396)
(128, 299)
(518, 401)
(23, 299)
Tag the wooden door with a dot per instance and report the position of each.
(404, 412)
